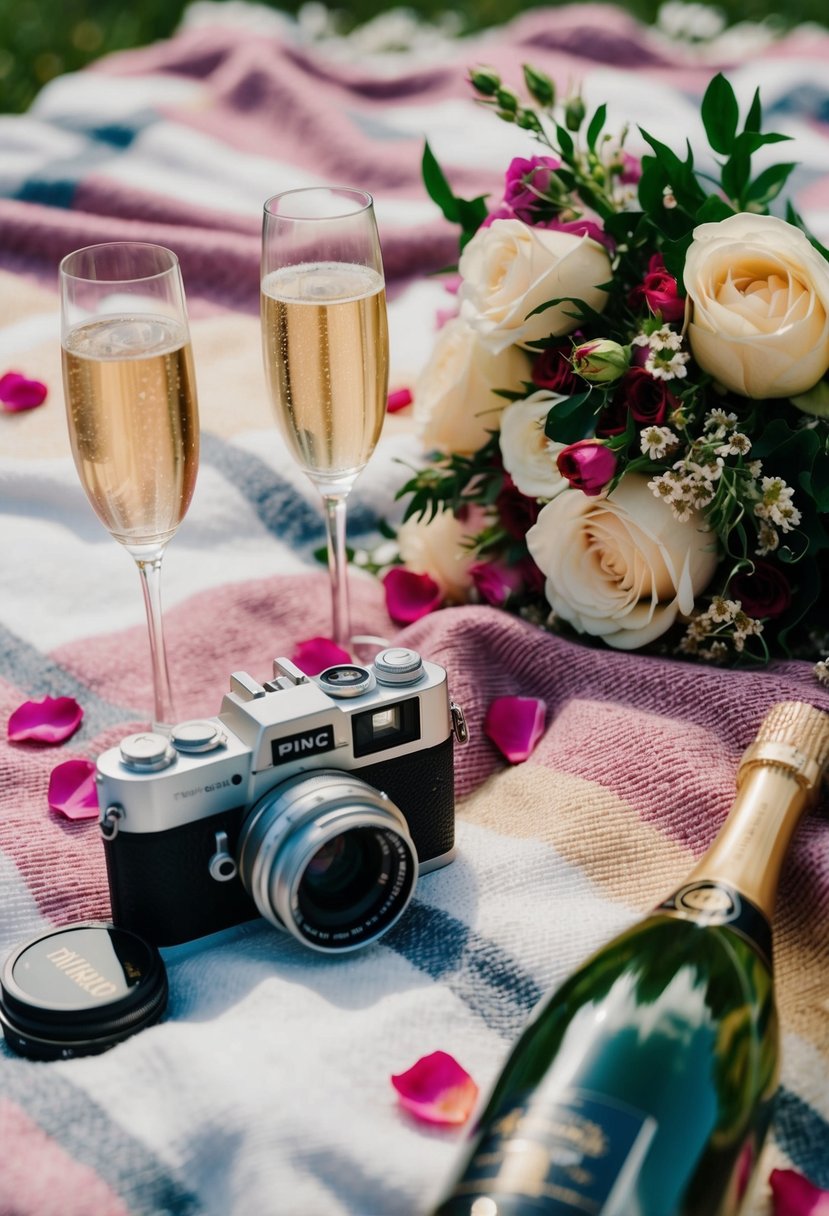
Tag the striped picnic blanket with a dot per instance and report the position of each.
(266, 1087)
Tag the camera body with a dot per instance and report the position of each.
(312, 801)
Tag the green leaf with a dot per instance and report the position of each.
(720, 115)
(736, 172)
(595, 128)
(570, 420)
(768, 184)
(565, 142)
(754, 118)
(437, 186)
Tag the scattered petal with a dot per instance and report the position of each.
(51, 720)
(72, 790)
(398, 400)
(515, 724)
(794, 1195)
(437, 1089)
(17, 392)
(315, 654)
(410, 596)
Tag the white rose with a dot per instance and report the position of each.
(510, 268)
(621, 567)
(760, 295)
(529, 456)
(454, 403)
(437, 548)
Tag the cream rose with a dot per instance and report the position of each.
(436, 547)
(528, 455)
(455, 405)
(621, 567)
(510, 268)
(760, 297)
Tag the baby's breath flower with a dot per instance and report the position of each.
(700, 491)
(718, 651)
(664, 487)
(668, 199)
(710, 470)
(755, 467)
(723, 610)
(720, 421)
(768, 540)
(776, 504)
(665, 338)
(738, 445)
(821, 670)
(657, 441)
(666, 367)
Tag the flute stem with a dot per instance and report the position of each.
(335, 510)
(163, 712)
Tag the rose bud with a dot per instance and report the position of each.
(587, 465)
(539, 85)
(485, 80)
(507, 100)
(574, 113)
(658, 291)
(601, 362)
(554, 371)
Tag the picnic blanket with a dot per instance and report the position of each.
(265, 1089)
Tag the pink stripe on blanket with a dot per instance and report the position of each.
(39, 1176)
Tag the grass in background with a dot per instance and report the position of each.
(40, 39)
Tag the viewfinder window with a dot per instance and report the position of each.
(386, 726)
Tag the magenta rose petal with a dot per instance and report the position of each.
(17, 392)
(398, 400)
(72, 790)
(437, 1089)
(794, 1195)
(410, 596)
(515, 724)
(315, 654)
(51, 720)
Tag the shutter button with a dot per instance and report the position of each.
(398, 665)
(147, 752)
(198, 735)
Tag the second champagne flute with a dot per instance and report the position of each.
(325, 345)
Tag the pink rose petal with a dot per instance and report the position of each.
(410, 596)
(398, 400)
(17, 392)
(515, 724)
(48, 721)
(794, 1195)
(315, 654)
(72, 790)
(437, 1090)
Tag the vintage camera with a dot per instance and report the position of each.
(314, 802)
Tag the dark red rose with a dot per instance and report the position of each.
(649, 400)
(532, 576)
(765, 593)
(658, 290)
(613, 419)
(554, 371)
(516, 511)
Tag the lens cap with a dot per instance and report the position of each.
(79, 990)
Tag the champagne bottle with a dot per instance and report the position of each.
(643, 1086)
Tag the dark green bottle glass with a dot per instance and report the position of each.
(644, 1085)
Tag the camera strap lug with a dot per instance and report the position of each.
(459, 728)
(222, 865)
(109, 821)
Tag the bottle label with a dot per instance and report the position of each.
(716, 903)
(580, 1156)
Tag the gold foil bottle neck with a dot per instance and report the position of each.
(795, 736)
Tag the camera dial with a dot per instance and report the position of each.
(328, 858)
(346, 680)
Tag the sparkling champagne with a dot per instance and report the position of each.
(133, 423)
(644, 1085)
(325, 342)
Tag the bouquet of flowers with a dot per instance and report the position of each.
(628, 412)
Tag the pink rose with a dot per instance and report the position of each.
(582, 227)
(659, 291)
(495, 581)
(526, 180)
(587, 465)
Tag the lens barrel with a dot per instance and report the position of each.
(328, 858)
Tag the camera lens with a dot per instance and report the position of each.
(328, 858)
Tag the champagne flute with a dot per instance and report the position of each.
(325, 345)
(131, 408)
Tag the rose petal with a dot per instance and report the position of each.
(410, 596)
(48, 721)
(398, 400)
(17, 392)
(437, 1089)
(315, 654)
(72, 790)
(794, 1195)
(515, 724)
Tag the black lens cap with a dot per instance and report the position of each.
(79, 990)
